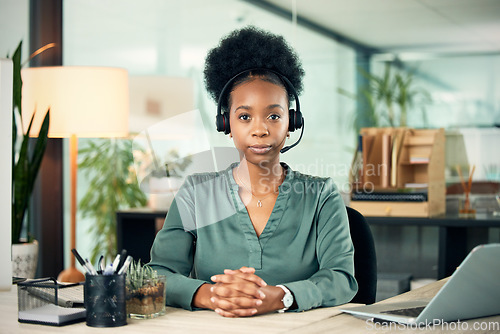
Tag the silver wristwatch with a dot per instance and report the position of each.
(287, 299)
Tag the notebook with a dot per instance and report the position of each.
(472, 291)
(54, 315)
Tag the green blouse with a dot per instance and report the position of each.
(305, 244)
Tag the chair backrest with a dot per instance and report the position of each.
(365, 258)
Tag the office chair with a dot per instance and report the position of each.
(365, 258)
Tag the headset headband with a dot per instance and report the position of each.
(287, 83)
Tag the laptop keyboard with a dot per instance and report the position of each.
(410, 312)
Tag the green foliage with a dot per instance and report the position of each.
(138, 273)
(112, 186)
(29, 158)
(388, 98)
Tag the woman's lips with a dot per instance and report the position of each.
(260, 149)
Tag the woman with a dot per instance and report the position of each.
(257, 237)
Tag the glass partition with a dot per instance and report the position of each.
(169, 39)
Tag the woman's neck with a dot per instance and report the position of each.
(261, 179)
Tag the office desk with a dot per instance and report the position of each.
(136, 230)
(452, 235)
(326, 320)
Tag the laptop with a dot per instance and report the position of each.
(472, 291)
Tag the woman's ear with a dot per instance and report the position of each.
(288, 134)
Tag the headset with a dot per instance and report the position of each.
(296, 121)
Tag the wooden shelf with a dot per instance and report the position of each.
(388, 166)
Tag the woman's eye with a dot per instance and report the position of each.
(274, 117)
(244, 117)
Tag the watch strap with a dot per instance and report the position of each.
(287, 298)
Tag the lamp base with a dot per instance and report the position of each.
(71, 275)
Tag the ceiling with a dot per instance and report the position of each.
(405, 26)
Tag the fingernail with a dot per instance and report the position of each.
(254, 311)
(218, 310)
(258, 302)
(213, 278)
(264, 283)
(212, 299)
(212, 288)
(262, 294)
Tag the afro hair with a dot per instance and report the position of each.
(250, 48)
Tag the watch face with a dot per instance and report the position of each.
(288, 300)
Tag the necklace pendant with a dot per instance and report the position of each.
(259, 203)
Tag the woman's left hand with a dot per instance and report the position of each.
(242, 293)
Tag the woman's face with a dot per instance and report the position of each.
(259, 120)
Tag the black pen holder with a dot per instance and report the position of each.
(104, 297)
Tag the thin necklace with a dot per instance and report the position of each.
(259, 201)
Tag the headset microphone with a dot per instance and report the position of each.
(285, 149)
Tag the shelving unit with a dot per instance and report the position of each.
(401, 162)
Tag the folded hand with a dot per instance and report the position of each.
(240, 293)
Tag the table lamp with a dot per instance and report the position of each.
(89, 102)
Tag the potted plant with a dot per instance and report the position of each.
(145, 292)
(27, 154)
(112, 185)
(388, 98)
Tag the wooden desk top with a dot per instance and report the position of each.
(174, 321)
(325, 320)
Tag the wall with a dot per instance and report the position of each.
(6, 71)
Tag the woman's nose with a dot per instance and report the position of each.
(259, 128)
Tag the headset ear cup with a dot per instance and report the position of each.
(222, 123)
(295, 120)
(298, 120)
(219, 123)
(291, 120)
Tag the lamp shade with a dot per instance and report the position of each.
(83, 101)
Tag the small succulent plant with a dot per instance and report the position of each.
(138, 273)
(145, 291)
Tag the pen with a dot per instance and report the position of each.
(123, 257)
(116, 261)
(90, 267)
(125, 265)
(100, 265)
(80, 260)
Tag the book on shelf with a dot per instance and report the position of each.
(367, 143)
(386, 196)
(416, 185)
(419, 160)
(399, 135)
(386, 160)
